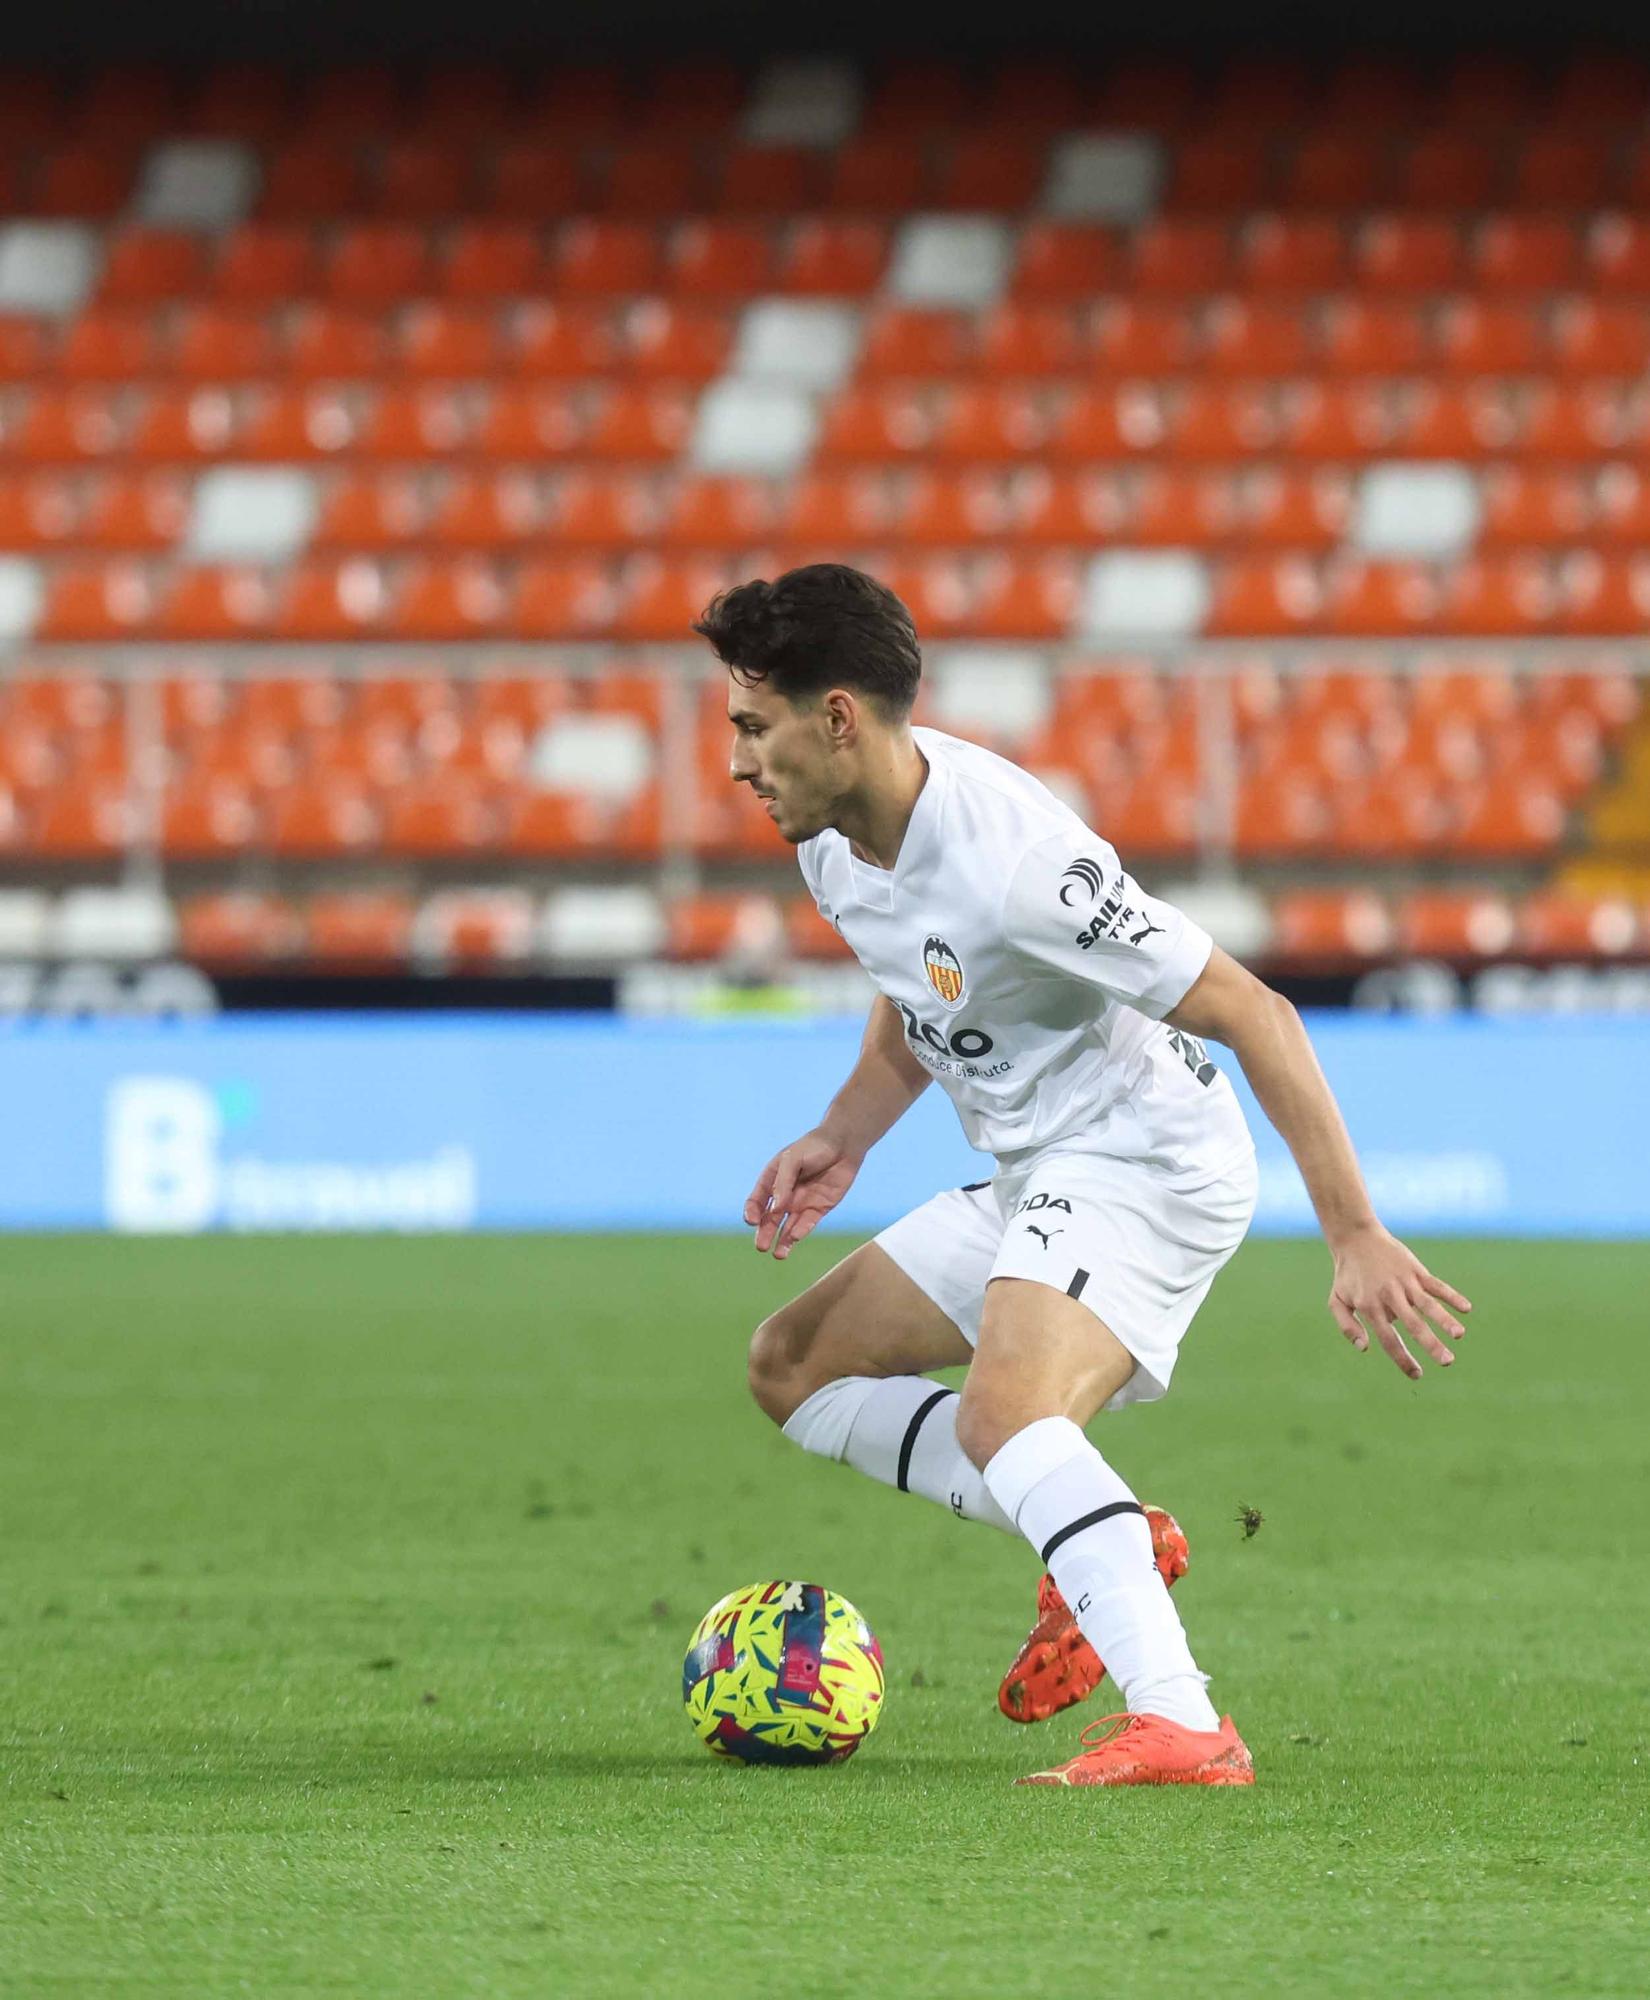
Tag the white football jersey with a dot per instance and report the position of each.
(1032, 973)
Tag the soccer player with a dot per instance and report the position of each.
(1064, 1011)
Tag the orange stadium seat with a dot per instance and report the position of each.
(530, 181)
(766, 180)
(52, 426)
(1108, 424)
(144, 266)
(1409, 254)
(241, 100)
(364, 930)
(1372, 337)
(1388, 818)
(607, 258)
(828, 258)
(1149, 338)
(876, 174)
(485, 510)
(202, 819)
(1447, 169)
(366, 98)
(1286, 507)
(1256, 595)
(422, 180)
(41, 510)
(87, 820)
(327, 342)
(218, 344)
(1179, 508)
(90, 182)
(1293, 254)
(1560, 924)
(1330, 926)
(312, 180)
(1067, 261)
(1221, 173)
(590, 99)
(1241, 338)
(426, 422)
(990, 170)
(217, 603)
(442, 597)
(710, 512)
(1336, 170)
(719, 260)
(1618, 256)
(321, 818)
(682, 343)
(345, 599)
(996, 423)
(1070, 507)
(486, 260)
(1181, 255)
(1534, 504)
(1032, 597)
(1526, 254)
(1564, 169)
(657, 178)
(547, 825)
(564, 341)
(1596, 337)
(98, 601)
(266, 264)
(239, 929)
(1455, 924)
(371, 511)
(1280, 814)
(1030, 340)
(1479, 337)
(876, 424)
(915, 340)
(439, 815)
(562, 598)
(377, 264)
(808, 934)
(446, 341)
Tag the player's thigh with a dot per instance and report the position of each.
(864, 1317)
(1041, 1353)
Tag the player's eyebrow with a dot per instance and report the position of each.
(743, 715)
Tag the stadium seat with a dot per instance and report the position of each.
(1457, 925)
(1617, 249)
(1221, 173)
(447, 341)
(1446, 169)
(1243, 338)
(832, 259)
(481, 260)
(375, 264)
(359, 930)
(204, 819)
(1293, 254)
(1066, 261)
(1181, 256)
(239, 930)
(266, 264)
(422, 180)
(1409, 254)
(313, 179)
(1558, 924)
(1330, 927)
(321, 819)
(437, 816)
(531, 181)
(670, 342)
(917, 341)
(773, 181)
(146, 266)
(718, 260)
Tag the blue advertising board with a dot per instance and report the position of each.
(1496, 1127)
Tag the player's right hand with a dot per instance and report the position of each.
(798, 1186)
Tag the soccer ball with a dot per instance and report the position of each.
(783, 1673)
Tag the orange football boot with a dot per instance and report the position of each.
(1057, 1666)
(1149, 1750)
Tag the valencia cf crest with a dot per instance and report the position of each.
(944, 969)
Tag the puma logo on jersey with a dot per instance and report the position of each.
(1118, 920)
(1081, 874)
(1044, 1236)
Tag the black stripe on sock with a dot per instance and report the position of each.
(1075, 1289)
(909, 1442)
(1090, 1521)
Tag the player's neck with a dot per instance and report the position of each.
(875, 815)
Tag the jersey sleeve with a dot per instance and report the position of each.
(1072, 909)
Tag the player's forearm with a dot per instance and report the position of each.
(883, 1085)
(1283, 1070)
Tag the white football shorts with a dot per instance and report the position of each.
(1139, 1251)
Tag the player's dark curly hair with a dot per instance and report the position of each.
(815, 628)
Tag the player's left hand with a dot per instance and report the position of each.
(1381, 1287)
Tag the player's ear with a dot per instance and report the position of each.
(841, 718)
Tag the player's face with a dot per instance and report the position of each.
(784, 755)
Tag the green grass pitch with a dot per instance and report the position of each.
(344, 1587)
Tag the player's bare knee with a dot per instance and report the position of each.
(985, 1423)
(775, 1366)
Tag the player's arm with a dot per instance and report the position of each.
(806, 1180)
(1380, 1285)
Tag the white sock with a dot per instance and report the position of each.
(901, 1429)
(1092, 1536)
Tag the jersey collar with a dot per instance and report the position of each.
(879, 886)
